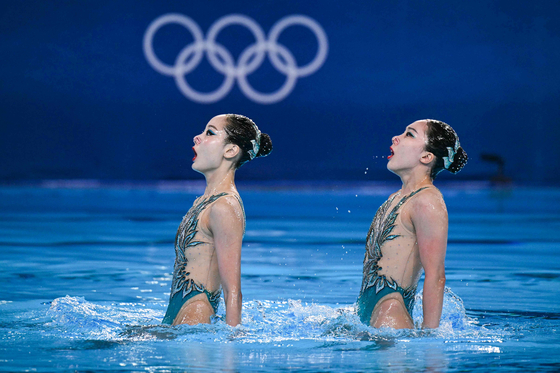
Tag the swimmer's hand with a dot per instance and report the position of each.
(238, 331)
(427, 332)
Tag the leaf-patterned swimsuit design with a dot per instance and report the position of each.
(184, 286)
(375, 284)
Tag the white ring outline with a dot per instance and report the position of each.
(209, 97)
(180, 19)
(322, 51)
(282, 92)
(227, 66)
(222, 23)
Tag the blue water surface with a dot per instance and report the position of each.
(86, 272)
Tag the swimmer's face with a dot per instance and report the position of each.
(408, 148)
(209, 146)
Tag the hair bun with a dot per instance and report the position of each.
(459, 162)
(265, 145)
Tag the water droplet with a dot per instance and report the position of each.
(348, 211)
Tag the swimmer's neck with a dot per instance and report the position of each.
(414, 180)
(219, 181)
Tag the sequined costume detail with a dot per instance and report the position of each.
(374, 284)
(183, 287)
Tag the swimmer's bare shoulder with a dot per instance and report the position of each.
(429, 199)
(428, 204)
(226, 213)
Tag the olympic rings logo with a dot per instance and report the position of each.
(222, 61)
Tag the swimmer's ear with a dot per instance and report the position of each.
(427, 158)
(231, 151)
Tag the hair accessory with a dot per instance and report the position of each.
(451, 151)
(256, 144)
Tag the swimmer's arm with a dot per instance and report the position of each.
(429, 217)
(226, 225)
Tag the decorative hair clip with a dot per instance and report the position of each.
(256, 144)
(451, 151)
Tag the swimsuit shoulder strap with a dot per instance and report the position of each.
(394, 213)
(396, 216)
(242, 209)
(236, 197)
(215, 197)
(407, 198)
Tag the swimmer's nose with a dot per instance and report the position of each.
(395, 140)
(196, 140)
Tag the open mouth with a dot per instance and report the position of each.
(194, 154)
(392, 154)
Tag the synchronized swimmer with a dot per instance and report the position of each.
(209, 238)
(408, 232)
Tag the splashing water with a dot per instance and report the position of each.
(511, 323)
(263, 322)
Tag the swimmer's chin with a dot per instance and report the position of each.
(195, 168)
(390, 168)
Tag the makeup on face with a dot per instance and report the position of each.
(209, 132)
(410, 132)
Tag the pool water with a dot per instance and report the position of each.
(86, 273)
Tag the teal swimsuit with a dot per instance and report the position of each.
(176, 302)
(374, 285)
(183, 287)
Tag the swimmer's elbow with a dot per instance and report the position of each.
(233, 296)
(441, 281)
(239, 296)
(437, 279)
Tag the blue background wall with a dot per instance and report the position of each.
(78, 98)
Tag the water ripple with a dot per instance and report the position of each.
(264, 322)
